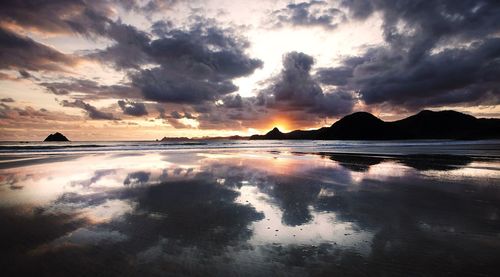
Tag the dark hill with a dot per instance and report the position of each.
(56, 137)
(424, 125)
(359, 125)
(275, 134)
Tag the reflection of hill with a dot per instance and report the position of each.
(358, 163)
(361, 163)
(435, 162)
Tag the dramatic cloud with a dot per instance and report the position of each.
(132, 108)
(86, 17)
(165, 85)
(18, 52)
(313, 13)
(8, 112)
(295, 89)
(92, 111)
(196, 64)
(129, 50)
(193, 65)
(442, 53)
(90, 89)
(33, 120)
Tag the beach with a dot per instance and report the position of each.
(250, 208)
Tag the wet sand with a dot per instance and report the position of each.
(249, 213)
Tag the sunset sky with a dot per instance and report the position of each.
(128, 70)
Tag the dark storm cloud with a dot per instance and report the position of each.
(233, 101)
(437, 53)
(19, 52)
(166, 85)
(428, 21)
(335, 76)
(194, 65)
(129, 50)
(450, 77)
(90, 89)
(85, 17)
(132, 108)
(313, 13)
(92, 111)
(295, 89)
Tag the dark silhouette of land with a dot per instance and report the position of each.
(177, 139)
(56, 137)
(174, 139)
(424, 125)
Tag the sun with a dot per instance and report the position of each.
(281, 123)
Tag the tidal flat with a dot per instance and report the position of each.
(258, 211)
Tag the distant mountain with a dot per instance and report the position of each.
(56, 137)
(174, 139)
(424, 125)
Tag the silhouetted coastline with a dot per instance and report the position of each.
(424, 125)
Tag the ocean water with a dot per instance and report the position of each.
(403, 147)
(250, 208)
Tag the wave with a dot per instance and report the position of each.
(472, 148)
(48, 147)
(185, 143)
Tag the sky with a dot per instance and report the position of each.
(142, 70)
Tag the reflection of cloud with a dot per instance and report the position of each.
(217, 219)
(294, 197)
(24, 229)
(98, 174)
(137, 178)
(197, 212)
(89, 236)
